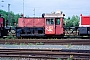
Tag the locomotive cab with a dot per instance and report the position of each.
(54, 23)
(49, 26)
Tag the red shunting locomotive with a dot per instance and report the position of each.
(47, 25)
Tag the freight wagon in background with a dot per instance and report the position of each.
(50, 24)
(84, 25)
(1, 25)
(3, 29)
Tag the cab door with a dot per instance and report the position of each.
(49, 26)
(58, 26)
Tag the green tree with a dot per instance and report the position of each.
(71, 22)
(58, 59)
(13, 17)
(75, 20)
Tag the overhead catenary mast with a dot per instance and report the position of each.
(34, 12)
(23, 8)
(23, 14)
(9, 15)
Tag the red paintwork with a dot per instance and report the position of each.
(85, 20)
(1, 22)
(59, 28)
(20, 22)
(28, 22)
(39, 22)
(31, 22)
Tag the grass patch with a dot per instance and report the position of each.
(39, 43)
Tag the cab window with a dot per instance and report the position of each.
(49, 21)
(57, 21)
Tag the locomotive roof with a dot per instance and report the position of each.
(54, 15)
(31, 17)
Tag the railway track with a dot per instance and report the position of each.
(46, 53)
(46, 41)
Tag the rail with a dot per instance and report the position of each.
(47, 41)
(45, 53)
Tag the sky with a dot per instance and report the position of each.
(69, 7)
